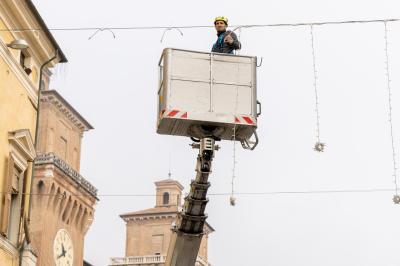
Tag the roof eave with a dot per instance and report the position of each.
(55, 93)
(63, 58)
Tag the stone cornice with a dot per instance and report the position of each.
(53, 97)
(150, 217)
(208, 229)
(51, 158)
(168, 182)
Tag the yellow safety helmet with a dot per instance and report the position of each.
(224, 19)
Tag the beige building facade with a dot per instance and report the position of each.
(23, 55)
(63, 201)
(148, 232)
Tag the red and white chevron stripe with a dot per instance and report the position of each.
(245, 119)
(174, 114)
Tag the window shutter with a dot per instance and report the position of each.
(15, 179)
(157, 244)
(6, 197)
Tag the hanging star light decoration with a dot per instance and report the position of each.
(319, 147)
(396, 199)
(232, 200)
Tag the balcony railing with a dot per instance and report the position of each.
(51, 158)
(143, 260)
(138, 260)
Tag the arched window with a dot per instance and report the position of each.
(166, 198)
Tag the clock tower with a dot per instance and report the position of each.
(62, 200)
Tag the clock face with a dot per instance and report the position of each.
(63, 250)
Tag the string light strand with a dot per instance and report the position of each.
(396, 198)
(319, 146)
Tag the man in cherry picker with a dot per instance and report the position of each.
(227, 40)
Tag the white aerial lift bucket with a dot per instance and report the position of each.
(203, 93)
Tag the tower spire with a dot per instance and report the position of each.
(169, 167)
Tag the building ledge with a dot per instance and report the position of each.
(51, 158)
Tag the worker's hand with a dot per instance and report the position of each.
(228, 39)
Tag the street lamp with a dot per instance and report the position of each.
(19, 44)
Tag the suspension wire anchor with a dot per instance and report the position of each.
(168, 29)
(101, 29)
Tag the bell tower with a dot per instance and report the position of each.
(63, 200)
(168, 193)
(149, 231)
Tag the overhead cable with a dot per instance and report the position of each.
(251, 193)
(208, 26)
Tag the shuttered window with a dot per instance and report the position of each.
(166, 198)
(157, 244)
(12, 202)
(63, 148)
(6, 197)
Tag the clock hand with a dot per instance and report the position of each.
(63, 250)
(59, 256)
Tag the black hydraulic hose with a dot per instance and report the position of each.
(195, 140)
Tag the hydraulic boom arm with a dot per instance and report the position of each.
(186, 238)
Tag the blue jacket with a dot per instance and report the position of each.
(222, 47)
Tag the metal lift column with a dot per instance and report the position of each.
(188, 232)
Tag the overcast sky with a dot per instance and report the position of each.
(112, 83)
